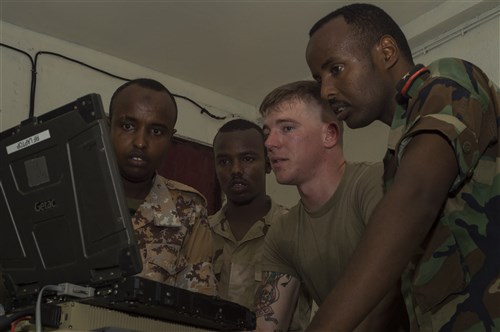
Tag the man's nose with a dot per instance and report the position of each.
(271, 140)
(140, 139)
(236, 167)
(328, 89)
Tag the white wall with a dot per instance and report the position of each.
(60, 81)
(480, 46)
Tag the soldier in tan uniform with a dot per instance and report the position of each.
(169, 218)
(240, 226)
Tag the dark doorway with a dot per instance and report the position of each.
(193, 164)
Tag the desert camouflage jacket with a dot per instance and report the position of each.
(453, 283)
(174, 238)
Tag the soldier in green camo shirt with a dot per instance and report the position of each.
(438, 225)
(169, 218)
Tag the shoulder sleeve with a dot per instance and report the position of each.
(278, 248)
(456, 103)
(174, 185)
(276, 212)
(370, 189)
(198, 250)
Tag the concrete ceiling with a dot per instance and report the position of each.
(241, 49)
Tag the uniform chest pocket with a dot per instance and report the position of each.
(163, 249)
(165, 258)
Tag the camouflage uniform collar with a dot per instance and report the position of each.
(406, 89)
(159, 207)
(407, 86)
(397, 127)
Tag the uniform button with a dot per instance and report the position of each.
(467, 147)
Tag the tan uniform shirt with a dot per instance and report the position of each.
(238, 264)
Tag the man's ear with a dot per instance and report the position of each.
(332, 134)
(268, 165)
(389, 51)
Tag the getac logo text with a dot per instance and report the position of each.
(45, 205)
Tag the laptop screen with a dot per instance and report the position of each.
(63, 216)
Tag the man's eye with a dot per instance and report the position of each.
(248, 159)
(337, 69)
(157, 131)
(223, 162)
(287, 129)
(127, 126)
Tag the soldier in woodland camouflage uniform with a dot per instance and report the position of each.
(438, 224)
(169, 218)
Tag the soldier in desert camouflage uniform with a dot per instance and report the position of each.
(169, 218)
(439, 222)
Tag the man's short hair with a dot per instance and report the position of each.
(240, 124)
(370, 24)
(147, 83)
(306, 91)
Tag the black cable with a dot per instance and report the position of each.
(203, 109)
(20, 51)
(80, 63)
(34, 63)
(33, 77)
